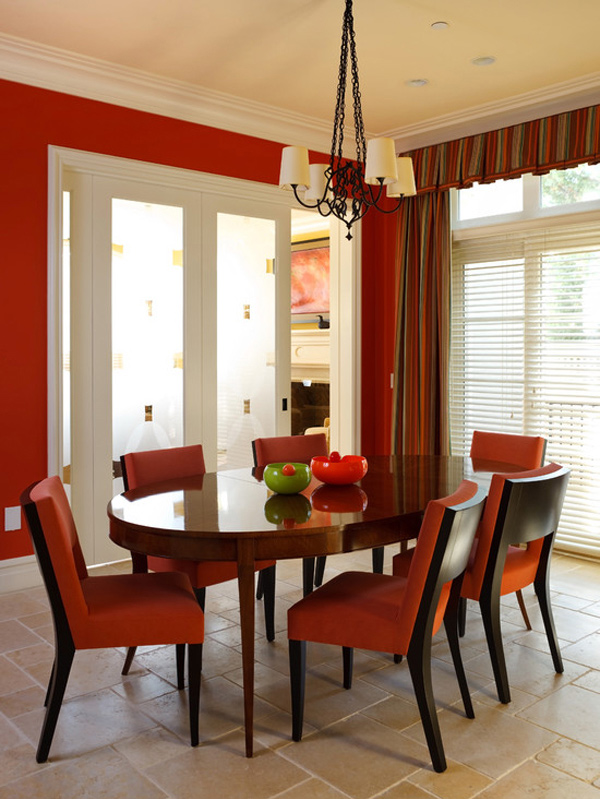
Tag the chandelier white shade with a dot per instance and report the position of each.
(343, 187)
(381, 162)
(294, 168)
(405, 185)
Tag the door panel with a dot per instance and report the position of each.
(248, 242)
(245, 336)
(147, 326)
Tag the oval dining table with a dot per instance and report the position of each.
(232, 515)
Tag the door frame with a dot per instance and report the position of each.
(345, 280)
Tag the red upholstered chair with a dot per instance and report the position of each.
(393, 614)
(526, 452)
(104, 611)
(300, 449)
(522, 452)
(153, 466)
(522, 508)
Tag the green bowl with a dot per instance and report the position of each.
(281, 483)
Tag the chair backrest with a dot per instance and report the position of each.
(154, 466)
(300, 449)
(526, 452)
(521, 507)
(440, 557)
(58, 551)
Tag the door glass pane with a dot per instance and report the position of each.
(245, 336)
(147, 327)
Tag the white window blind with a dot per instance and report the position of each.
(525, 355)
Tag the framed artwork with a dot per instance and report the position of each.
(310, 278)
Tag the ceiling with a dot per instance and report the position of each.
(285, 53)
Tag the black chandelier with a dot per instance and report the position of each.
(348, 188)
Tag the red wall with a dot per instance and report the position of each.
(378, 330)
(34, 118)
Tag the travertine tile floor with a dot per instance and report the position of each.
(128, 737)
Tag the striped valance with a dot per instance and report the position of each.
(555, 142)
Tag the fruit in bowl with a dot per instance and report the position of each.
(336, 470)
(287, 478)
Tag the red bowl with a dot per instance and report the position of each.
(350, 469)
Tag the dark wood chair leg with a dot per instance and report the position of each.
(180, 663)
(65, 653)
(490, 614)
(377, 556)
(139, 563)
(269, 603)
(128, 659)
(462, 616)
(348, 658)
(541, 585)
(259, 585)
(419, 664)
(397, 658)
(194, 669)
(297, 654)
(523, 609)
(180, 648)
(320, 570)
(451, 627)
(200, 594)
(308, 575)
(548, 620)
(50, 683)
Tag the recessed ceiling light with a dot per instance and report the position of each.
(483, 61)
(417, 82)
(439, 26)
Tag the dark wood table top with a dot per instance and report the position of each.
(203, 517)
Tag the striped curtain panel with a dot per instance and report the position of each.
(420, 422)
(423, 326)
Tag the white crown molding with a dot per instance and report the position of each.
(46, 67)
(51, 68)
(554, 99)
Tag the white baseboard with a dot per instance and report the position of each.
(17, 574)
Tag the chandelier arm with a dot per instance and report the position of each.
(371, 199)
(318, 205)
(394, 209)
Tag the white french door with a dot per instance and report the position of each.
(174, 331)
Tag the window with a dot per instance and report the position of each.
(491, 199)
(563, 187)
(525, 355)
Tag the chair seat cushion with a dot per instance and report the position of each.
(139, 609)
(355, 609)
(519, 570)
(202, 573)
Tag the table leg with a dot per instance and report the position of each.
(246, 591)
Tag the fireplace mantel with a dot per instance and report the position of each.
(310, 355)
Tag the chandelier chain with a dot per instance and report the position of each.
(347, 194)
